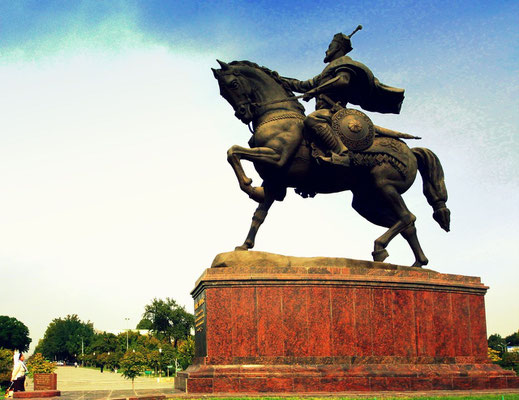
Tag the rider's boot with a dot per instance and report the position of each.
(339, 152)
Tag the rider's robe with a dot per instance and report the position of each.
(363, 90)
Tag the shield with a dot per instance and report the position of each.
(354, 128)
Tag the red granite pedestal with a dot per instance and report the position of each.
(269, 323)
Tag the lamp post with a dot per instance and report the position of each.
(160, 363)
(127, 329)
(503, 346)
(82, 352)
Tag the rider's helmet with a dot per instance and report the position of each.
(344, 40)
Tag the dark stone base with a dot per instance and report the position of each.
(36, 394)
(335, 378)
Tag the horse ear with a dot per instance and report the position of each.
(216, 73)
(224, 66)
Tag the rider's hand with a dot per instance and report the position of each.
(308, 95)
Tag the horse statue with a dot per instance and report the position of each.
(282, 156)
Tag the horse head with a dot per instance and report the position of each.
(236, 88)
(253, 90)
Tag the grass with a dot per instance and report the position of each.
(511, 396)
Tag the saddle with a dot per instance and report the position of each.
(368, 144)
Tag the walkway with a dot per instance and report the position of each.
(87, 383)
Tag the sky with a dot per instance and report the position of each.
(115, 187)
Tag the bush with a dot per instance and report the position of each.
(510, 360)
(39, 365)
(493, 355)
(6, 365)
(186, 352)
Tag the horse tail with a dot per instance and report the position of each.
(434, 187)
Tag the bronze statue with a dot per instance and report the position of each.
(342, 81)
(333, 149)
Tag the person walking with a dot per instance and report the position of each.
(18, 375)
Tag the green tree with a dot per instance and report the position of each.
(513, 339)
(103, 343)
(6, 365)
(169, 321)
(132, 365)
(64, 338)
(113, 360)
(14, 335)
(168, 356)
(186, 352)
(510, 360)
(144, 324)
(496, 342)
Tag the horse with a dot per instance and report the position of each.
(281, 154)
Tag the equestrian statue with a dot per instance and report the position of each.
(334, 148)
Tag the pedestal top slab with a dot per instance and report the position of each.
(243, 267)
(234, 259)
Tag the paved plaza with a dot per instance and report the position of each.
(86, 383)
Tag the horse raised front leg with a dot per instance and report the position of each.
(257, 154)
(257, 219)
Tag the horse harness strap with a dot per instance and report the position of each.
(267, 103)
(280, 117)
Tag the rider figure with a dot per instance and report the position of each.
(345, 81)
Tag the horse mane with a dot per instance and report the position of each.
(273, 74)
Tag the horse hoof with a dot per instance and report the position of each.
(241, 248)
(380, 255)
(419, 263)
(247, 181)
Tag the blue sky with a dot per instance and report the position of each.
(115, 184)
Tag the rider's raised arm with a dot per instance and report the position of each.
(302, 86)
(339, 83)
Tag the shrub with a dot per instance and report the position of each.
(6, 365)
(493, 355)
(39, 365)
(186, 352)
(510, 360)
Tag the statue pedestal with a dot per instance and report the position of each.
(270, 323)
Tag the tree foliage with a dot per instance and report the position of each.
(510, 360)
(513, 339)
(186, 352)
(14, 335)
(501, 355)
(169, 321)
(493, 355)
(144, 324)
(496, 342)
(109, 350)
(64, 337)
(132, 364)
(6, 365)
(37, 364)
